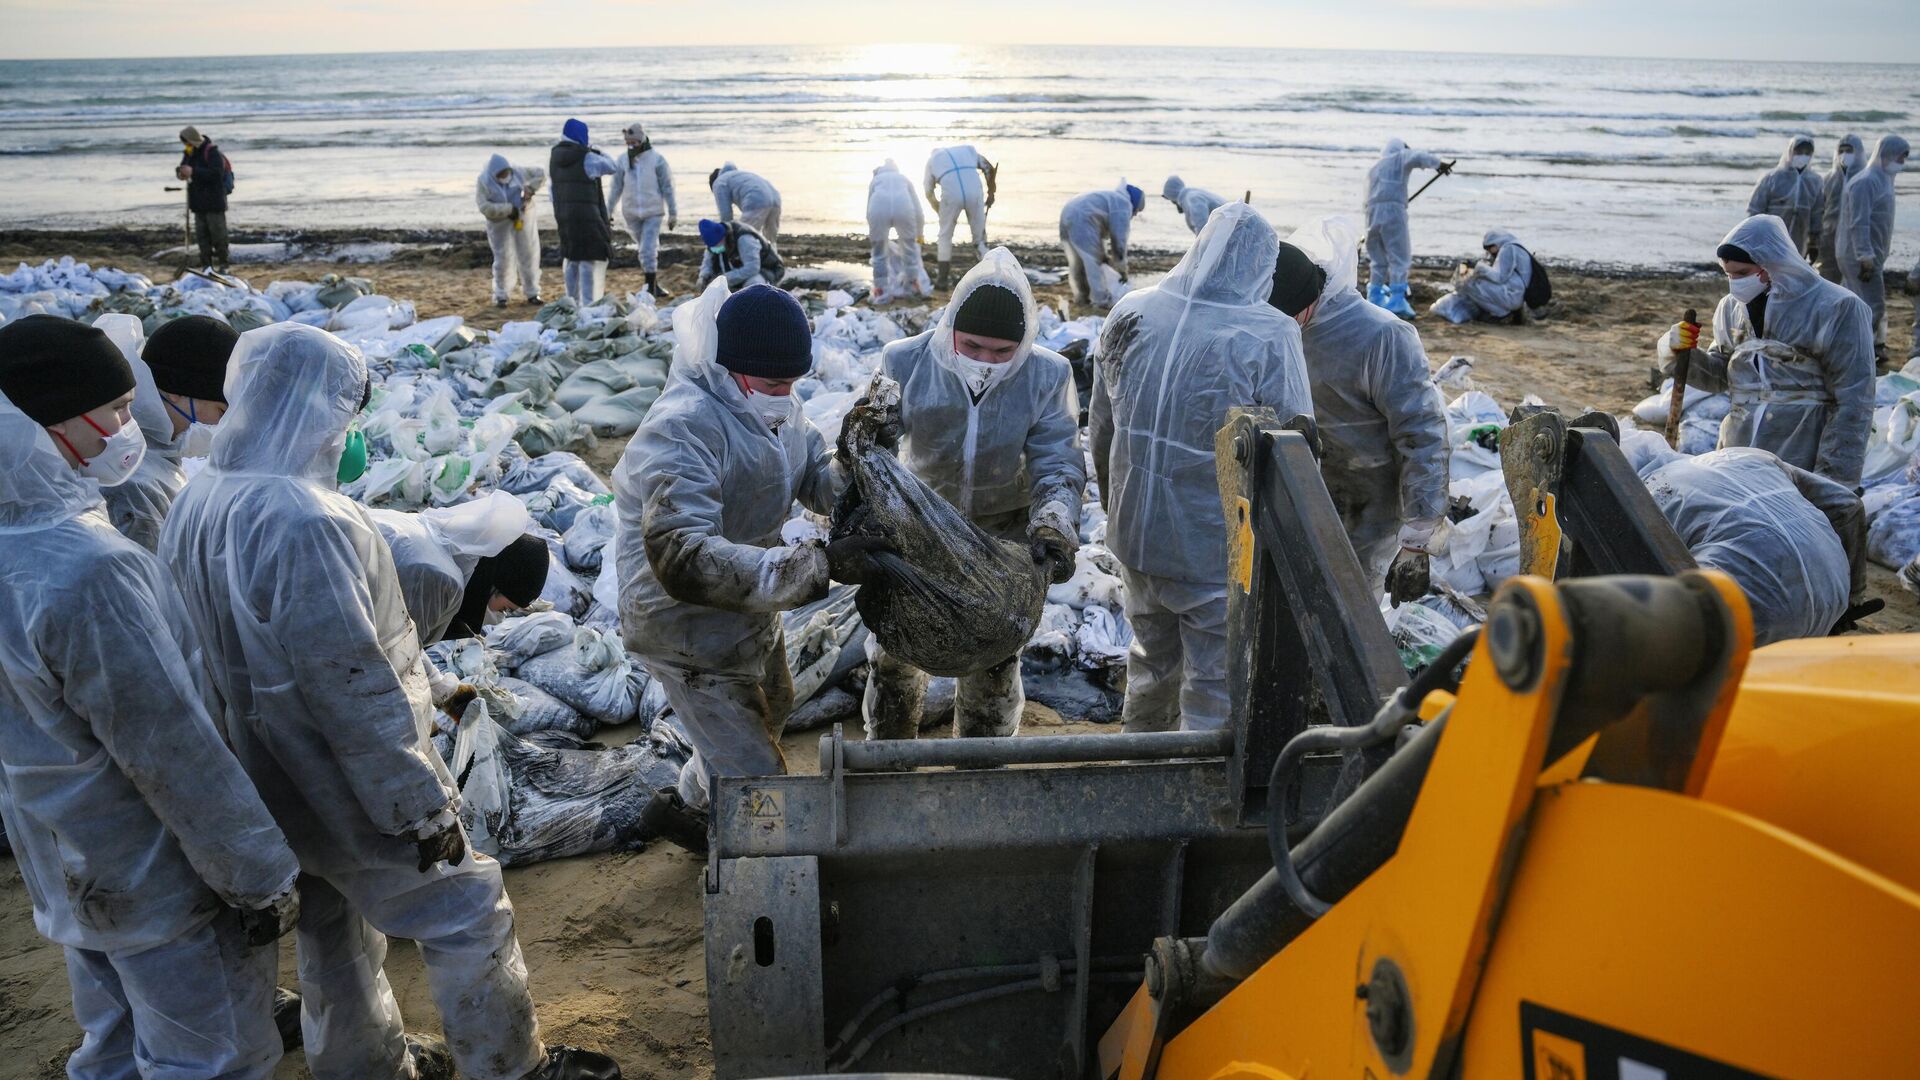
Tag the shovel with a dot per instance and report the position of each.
(1444, 170)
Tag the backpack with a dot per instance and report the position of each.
(226, 173)
(1539, 286)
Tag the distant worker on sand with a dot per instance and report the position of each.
(1383, 425)
(643, 189)
(953, 183)
(894, 224)
(504, 194)
(1193, 203)
(1494, 287)
(1849, 157)
(209, 177)
(1172, 359)
(580, 212)
(1791, 192)
(703, 490)
(1793, 352)
(991, 423)
(1389, 243)
(737, 252)
(1866, 232)
(756, 199)
(1093, 233)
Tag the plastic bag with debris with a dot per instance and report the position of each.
(594, 676)
(935, 589)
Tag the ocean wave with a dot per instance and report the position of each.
(1844, 116)
(1677, 131)
(1691, 91)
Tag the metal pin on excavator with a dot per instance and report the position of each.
(1621, 844)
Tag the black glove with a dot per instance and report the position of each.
(1409, 578)
(1446, 168)
(1850, 621)
(456, 704)
(851, 557)
(266, 925)
(449, 846)
(1052, 550)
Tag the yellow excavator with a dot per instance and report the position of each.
(1599, 837)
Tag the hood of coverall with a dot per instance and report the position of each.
(38, 489)
(1765, 237)
(293, 390)
(998, 268)
(1231, 261)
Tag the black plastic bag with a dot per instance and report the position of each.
(935, 589)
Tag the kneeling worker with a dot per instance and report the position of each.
(740, 253)
(990, 423)
(1493, 288)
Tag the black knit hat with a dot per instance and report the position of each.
(1297, 280)
(189, 356)
(764, 333)
(1732, 253)
(518, 573)
(55, 369)
(993, 311)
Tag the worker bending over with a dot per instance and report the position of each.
(146, 853)
(740, 253)
(1383, 427)
(1866, 232)
(580, 212)
(1093, 233)
(643, 190)
(1389, 243)
(1493, 288)
(703, 490)
(990, 423)
(1793, 352)
(1791, 191)
(953, 183)
(894, 222)
(1194, 204)
(327, 703)
(756, 199)
(1172, 359)
(505, 194)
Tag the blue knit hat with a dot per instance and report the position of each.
(712, 233)
(575, 130)
(764, 333)
(1137, 197)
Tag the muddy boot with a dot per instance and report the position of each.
(429, 1056)
(654, 290)
(573, 1063)
(945, 280)
(668, 817)
(286, 1017)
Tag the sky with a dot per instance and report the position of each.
(1846, 30)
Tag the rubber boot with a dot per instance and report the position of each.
(1397, 301)
(286, 1017)
(653, 287)
(945, 280)
(1376, 294)
(573, 1063)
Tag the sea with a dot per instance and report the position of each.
(1604, 162)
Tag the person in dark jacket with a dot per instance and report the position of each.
(574, 172)
(205, 169)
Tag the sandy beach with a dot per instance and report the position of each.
(613, 942)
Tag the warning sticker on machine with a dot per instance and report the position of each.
(1557, 1046)
(766, 812)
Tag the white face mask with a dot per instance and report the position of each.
(1846, 160)
(774, 409)
(1894, 167)
(493, 618)
(124, 450)
(1746, 289)
(1800, 161)
(196, 441)
(978, 374)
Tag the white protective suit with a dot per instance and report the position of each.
(1009, 459)
(138, 505)
(1866, 232)
(758, 201)
(1802, 384)
(327, 706)
(516, 245)
(1172, 360)
(956, 182)
(1747, 513)
(1495, 288)
(1389, 243)
(643, 190)
(703, 490)
(1832, 186)
(1093, 233)
(1382, 421)
(134, 827)
(894, 224)
(1193, 203)
(1790, 194)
